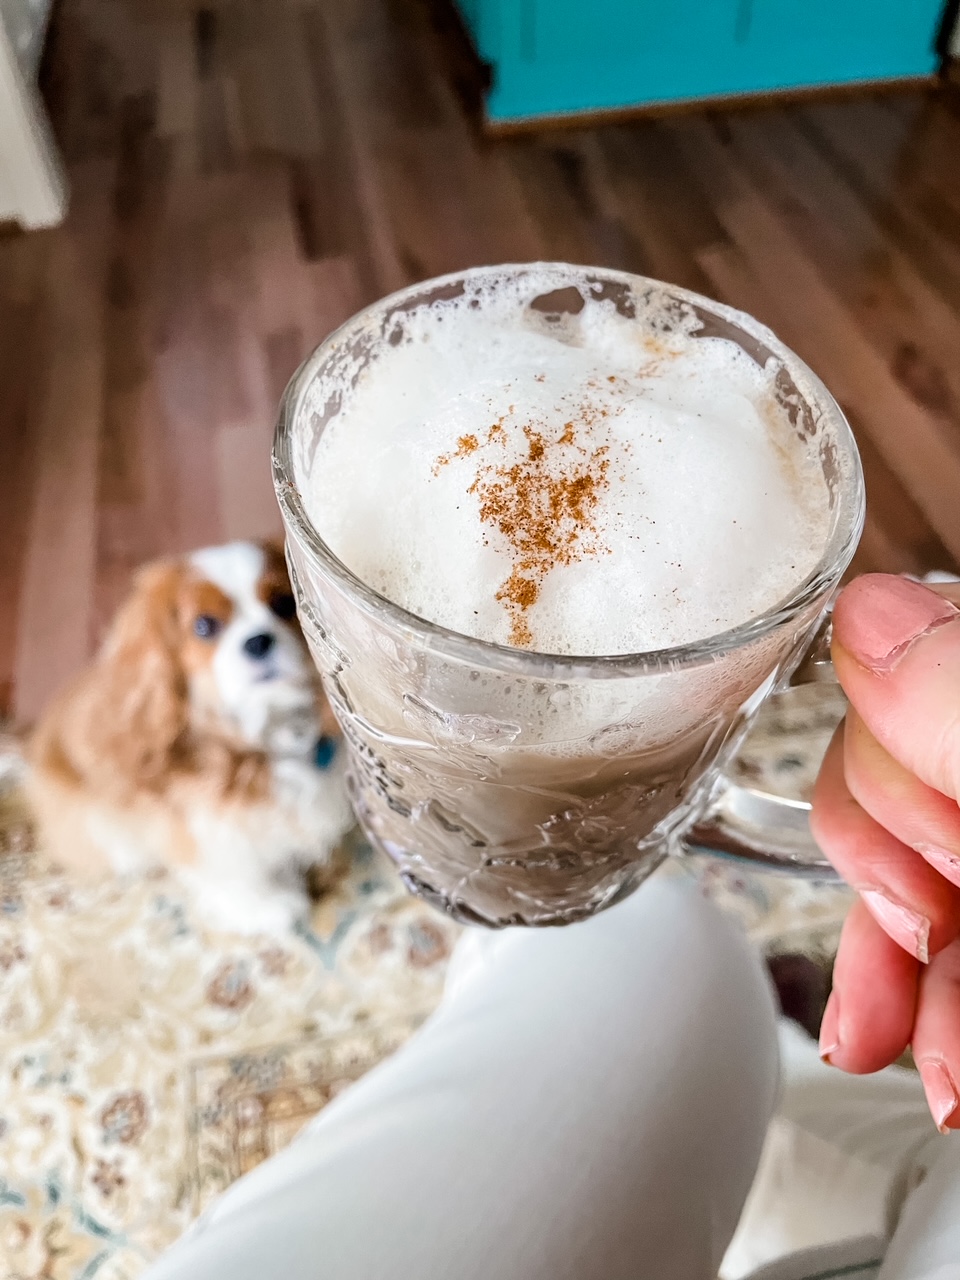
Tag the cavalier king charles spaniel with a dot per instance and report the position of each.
(199, 739)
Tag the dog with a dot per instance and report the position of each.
(199, 739)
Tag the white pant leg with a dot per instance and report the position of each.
(926, 1242)
(853, 1170)
(588, 1104)
(837, 1163)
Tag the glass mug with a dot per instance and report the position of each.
(517, 788)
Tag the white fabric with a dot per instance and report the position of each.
(590, 1104)
(837, 1161)
(926, 1242)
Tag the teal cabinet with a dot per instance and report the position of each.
(557, 56)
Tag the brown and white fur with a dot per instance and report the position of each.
(190, 743)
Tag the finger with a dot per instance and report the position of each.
(896, 649)
(947, 590)
(919, 816)
(936, 1036)
(870, 1014)
(916, 906)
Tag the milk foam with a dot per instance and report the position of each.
(708, 511)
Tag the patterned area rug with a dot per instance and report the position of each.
(145, 1062)
(782, 755)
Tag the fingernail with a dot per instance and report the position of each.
(888, 615)
(830, 1028)
(906, 927)
(940, 1091)
(947, 863)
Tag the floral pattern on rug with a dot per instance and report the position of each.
(243, 1108)
(148, 1062)
(782, 755)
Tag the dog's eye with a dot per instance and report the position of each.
(206, 626)
(283, 605)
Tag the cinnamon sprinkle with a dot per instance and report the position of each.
(465, 446)
(543, 506)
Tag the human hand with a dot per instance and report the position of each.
(885, 813)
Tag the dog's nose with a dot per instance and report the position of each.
(260, 645)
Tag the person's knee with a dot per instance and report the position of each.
(666, 948)
(663, 986)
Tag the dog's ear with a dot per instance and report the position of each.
(120, 727)
(276, 585)
(275, 557)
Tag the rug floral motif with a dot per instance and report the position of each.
(147, 1062)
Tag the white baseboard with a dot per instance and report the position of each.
(33, 188)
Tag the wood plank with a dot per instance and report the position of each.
(270, 66)
(337, 294)
(23, 352)
(280, 294)
(55, 631)
(326, 199)
(248, 504)
(822, 331)
(552, 179)
(185, 356)
(908, 323)
(872, 156)
(328, 28)
(666, 212)
(177, 83)
(132, 510)
(444, 200)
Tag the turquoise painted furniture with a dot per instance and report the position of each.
(557, 56)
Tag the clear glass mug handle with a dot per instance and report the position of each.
(752, 824)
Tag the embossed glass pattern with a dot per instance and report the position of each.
(463, 764)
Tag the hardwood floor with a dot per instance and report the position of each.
(245, 175)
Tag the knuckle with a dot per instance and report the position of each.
(943, 752)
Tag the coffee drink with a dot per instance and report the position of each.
(593, 484)
(603, 507)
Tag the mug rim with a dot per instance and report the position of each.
(840, 547)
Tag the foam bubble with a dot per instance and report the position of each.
(682, 501)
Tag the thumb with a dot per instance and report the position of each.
(896, 649)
